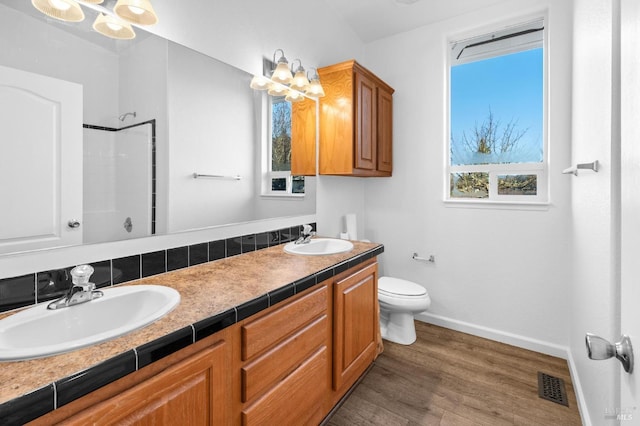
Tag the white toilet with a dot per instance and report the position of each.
(399, 301)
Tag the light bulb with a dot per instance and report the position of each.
(136, 10)
(114, 26)
(293, 96)
(59, 4)
(282, 74)
(278, 90)
(260, 82)
(64, 10)
(300, 81)
(315, 89)
(111, 26)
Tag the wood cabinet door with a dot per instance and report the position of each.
(191, 392)
(385, 131)
(355, 322)
(303, 138)
(336, 122)
(366, 119)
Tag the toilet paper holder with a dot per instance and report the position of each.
(431, 258)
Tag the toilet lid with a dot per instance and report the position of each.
(400, 287)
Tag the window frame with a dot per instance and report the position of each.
(541, 169)
(267, 159)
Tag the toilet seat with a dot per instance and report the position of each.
(396, 287)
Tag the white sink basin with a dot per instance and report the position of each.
(319, 247)
(39, 332)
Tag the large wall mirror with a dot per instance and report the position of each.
(151, 114)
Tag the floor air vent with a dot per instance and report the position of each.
(552, 389)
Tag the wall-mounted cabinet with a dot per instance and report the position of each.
(356, 116)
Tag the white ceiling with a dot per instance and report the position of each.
(375, 19)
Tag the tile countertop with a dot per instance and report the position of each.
(206, 290)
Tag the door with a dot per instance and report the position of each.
(385, 130)
(354, 327)
(366, 119)
(629, 410)
(191, 392)
(40, 161)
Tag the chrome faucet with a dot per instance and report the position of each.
(81, 289)
(305, 235)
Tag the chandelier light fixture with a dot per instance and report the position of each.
(111, 26)
(114, 23)
(283, 80)
(64, 10)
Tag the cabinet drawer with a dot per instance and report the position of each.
(294, 400)
(274, 365)
(267, 331)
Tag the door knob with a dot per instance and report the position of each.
(73, 223)
(599, 348)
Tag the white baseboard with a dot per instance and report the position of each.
(497, 335)
(519, 341)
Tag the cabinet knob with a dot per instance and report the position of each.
(73, 223)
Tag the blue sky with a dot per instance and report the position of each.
(511, 86)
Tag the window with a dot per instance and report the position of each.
(497, 145)
(278, 178)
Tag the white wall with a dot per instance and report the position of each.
(500, 273)
(200, 91)
(593, 295)
(143, 90)
(240, 33)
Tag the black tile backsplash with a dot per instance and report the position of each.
(177, 258)
(16, 292)
(234, 246)
(198, 253)
(262, 240)
(217, 250)
(129, 268)
(53, 284)
(102, 273)
(248, 243)
(274, 238)
(154, 263)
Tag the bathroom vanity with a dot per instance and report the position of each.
(261, 337)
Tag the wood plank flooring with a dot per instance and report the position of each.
(452, 378)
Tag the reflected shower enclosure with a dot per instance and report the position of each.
(118, 192)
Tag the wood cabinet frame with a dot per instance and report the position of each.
(356, 122)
